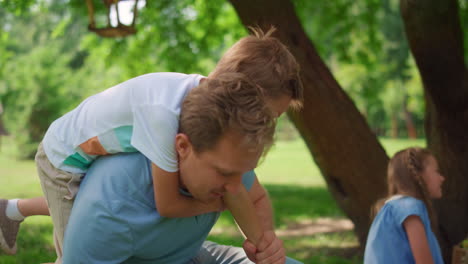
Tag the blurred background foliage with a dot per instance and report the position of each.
(49, 62)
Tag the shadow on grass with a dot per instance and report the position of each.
(331, 252)
(292, 202)
(335, 255)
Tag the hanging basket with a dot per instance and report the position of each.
(109, 31)
(119, 31)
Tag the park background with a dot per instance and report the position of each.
(365, 99)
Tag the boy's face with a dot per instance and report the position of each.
(279, 105)
(210, 174)
(433, 178)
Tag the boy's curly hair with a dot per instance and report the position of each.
(265, 61)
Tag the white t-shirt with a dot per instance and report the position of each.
(141, 114)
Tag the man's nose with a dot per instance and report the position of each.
(233, 185)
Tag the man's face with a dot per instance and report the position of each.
(210, 174)
(279, 105)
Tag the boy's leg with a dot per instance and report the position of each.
(59, 189)
(33, 206)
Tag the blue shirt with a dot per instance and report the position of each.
(388, 242)
(114, 218)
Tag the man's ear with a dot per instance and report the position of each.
(182, 145)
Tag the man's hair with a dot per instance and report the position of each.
(265, 61)
(229, 103)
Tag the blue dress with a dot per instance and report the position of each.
(388, 242)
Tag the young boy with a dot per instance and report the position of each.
(142, 115)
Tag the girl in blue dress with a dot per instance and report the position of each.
(402, 231)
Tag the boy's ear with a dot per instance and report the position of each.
(182, 145)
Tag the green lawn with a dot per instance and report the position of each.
(297, 190)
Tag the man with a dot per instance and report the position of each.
(222, 135)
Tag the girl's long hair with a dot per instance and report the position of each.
(404, 176)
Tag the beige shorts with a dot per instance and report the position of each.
(60, 188)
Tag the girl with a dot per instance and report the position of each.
(402, 231)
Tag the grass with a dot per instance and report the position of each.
(296, 188)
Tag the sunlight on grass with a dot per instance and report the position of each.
(290, 162)
(391, 146)
(18, 178)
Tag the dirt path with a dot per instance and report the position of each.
(302, 228)
(312, 227)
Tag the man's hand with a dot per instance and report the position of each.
(270, 250)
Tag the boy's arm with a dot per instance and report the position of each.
(170, 203)
(418, 240)
(243, 210)
(254, 215)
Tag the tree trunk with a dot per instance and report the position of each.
(394, 125)
(410, 127)
(436, 41)
(351, 159)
